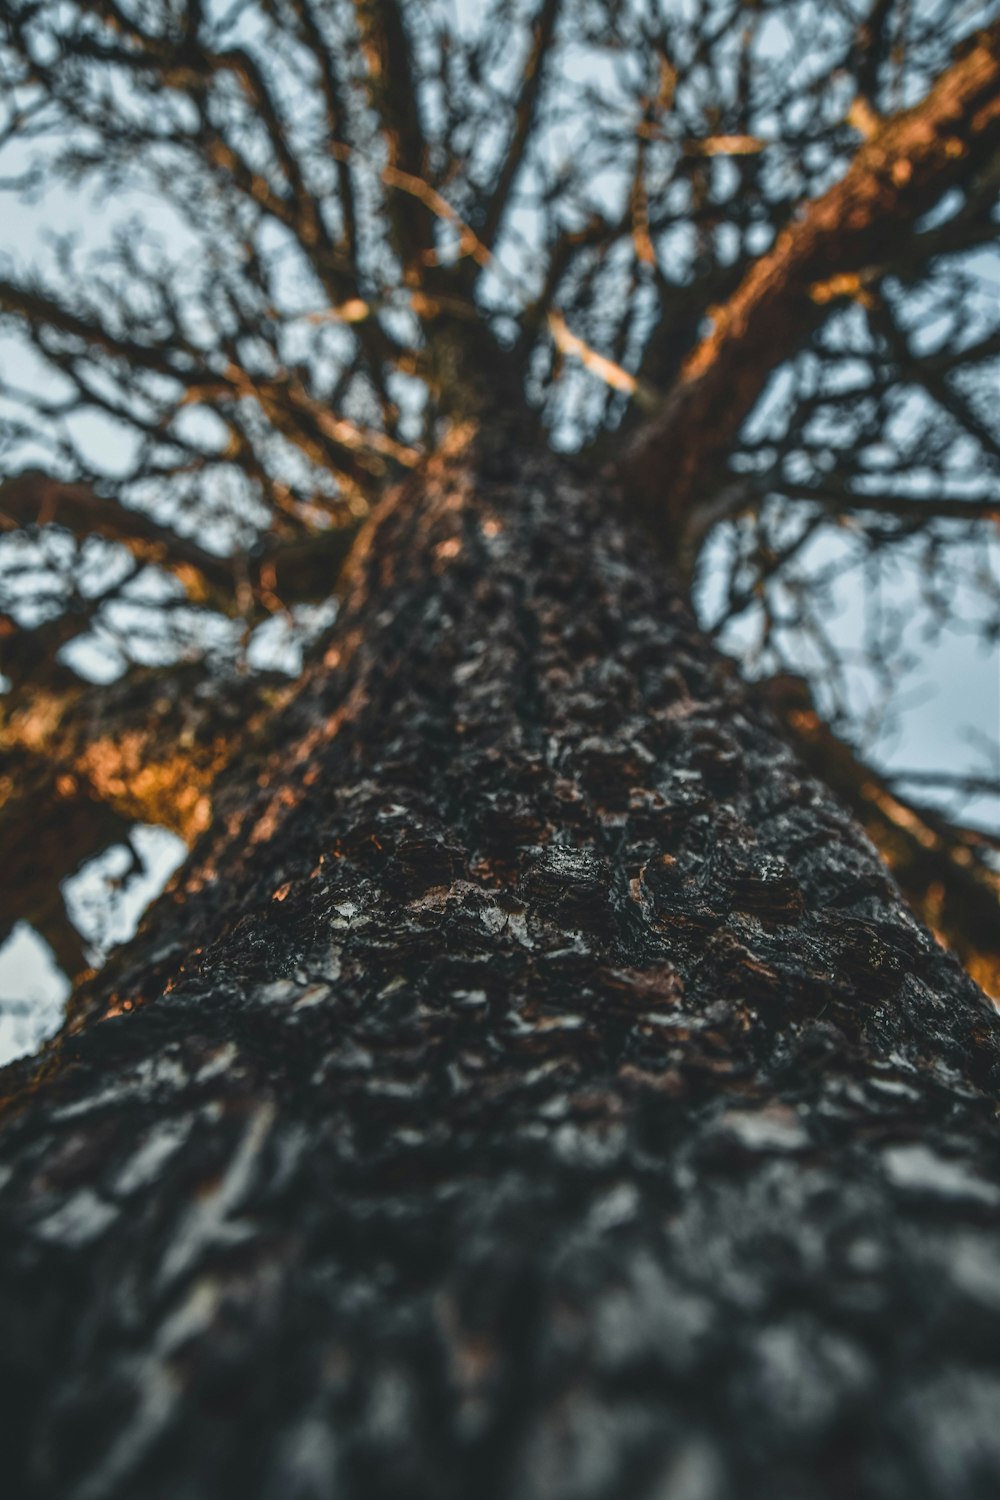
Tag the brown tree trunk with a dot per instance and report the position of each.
(533, 1087)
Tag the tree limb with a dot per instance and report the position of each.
(939, 867)
(525, 111)
(34, 498)
(82, 764)
(393, 92)
(905, 166)
(921, 509)
(280, 571)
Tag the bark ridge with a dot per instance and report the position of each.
(534, 1087)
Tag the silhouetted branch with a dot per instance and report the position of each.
(525, 114)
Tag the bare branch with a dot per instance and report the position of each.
(281, 571)
(83, 764)
(910, 161)
(525, 110)
(940, 868)
(393, 90)
(919, 509)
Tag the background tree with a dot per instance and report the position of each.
(714, 272)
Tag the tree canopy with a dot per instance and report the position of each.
(742, 255)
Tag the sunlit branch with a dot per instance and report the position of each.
(905, 167)
(525, 113)
(940, 868)
(85, 763)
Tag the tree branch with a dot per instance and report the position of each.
(939, 867)
(280, 571)
(393, 92)
(909, 161)
(525, 111)
(34, 498)
(837, 498)
(83, 764)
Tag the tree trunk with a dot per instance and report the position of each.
(533, 1087)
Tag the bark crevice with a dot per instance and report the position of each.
(534, 1085)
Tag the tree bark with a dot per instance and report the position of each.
(533, 1086)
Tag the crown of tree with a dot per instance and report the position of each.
(738, 256)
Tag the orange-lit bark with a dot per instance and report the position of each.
(864, 221)
(84, 764)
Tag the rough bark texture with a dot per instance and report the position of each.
(535, 1088)
(943, 870)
